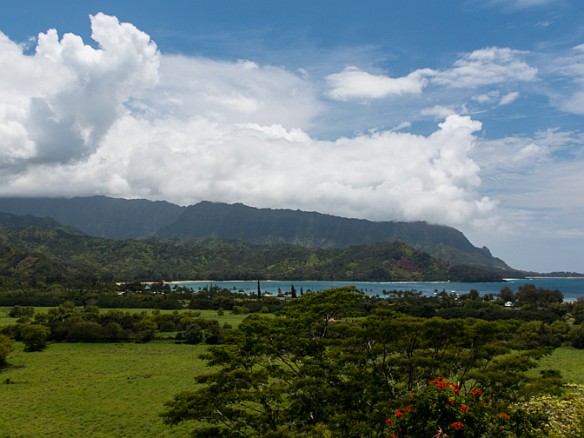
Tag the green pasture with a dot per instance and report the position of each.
(95, 390)
(569, 361)
(98, 390)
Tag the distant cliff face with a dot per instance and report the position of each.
(130, 219)
(99, 215)
(311, 229)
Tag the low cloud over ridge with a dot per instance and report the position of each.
(124, 120)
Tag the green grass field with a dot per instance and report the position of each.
(95, 390)
(569, 361)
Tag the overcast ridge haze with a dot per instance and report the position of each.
(467, 114)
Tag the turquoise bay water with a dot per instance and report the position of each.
(572, 288)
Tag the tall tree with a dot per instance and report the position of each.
(328, 366)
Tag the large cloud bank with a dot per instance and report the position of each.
(121, 119)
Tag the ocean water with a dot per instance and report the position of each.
(572, 288)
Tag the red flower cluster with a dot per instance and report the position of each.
(457, 425)
(402, 411)
(451, 410)
(440, 383)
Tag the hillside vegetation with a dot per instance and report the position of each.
(137, 219)
(33, 256)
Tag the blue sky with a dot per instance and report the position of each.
(466, 113)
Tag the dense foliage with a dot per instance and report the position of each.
(339, 364)
(33, 257)
(132, 219)
(67, 323)
(6, 347)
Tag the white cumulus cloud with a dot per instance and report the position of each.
(59, 103)
(124, 120)
(232, 92)
(354, 83)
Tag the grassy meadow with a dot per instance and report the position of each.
(97, 390)
(569, 361)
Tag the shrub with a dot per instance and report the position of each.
(35, 337)
(239, 310)
(577, 336)
(565, 415)
(21, 311)
(6, 347)
(441, 408)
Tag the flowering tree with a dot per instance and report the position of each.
(441, 409)
(331, 367)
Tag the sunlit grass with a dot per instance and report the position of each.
(97, 390)
(569, 361)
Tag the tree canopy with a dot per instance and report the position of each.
(333, 364)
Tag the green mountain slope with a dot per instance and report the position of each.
(21, 268)
(46, 256)
(309, 229)
(132, 219)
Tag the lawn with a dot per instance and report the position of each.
(569, 361)
(95, 390)
(98, 390)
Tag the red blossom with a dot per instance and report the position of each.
(389, 421)
(457, 425)
(504, 415)
(463, 408)
(476, 392)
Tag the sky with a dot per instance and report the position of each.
(467, 113)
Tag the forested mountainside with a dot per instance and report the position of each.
(310, 229)
(137, 219)
(32, 256)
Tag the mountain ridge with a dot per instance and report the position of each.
(117, 218)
